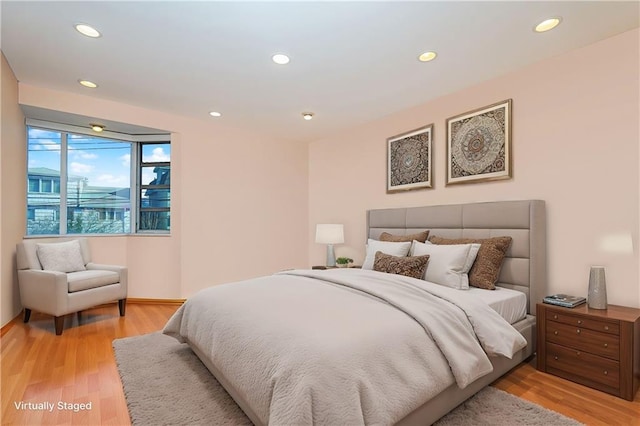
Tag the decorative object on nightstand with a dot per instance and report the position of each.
(343, 262)
(597, 288)
(330, 234)
(564, 300)
(596, 348)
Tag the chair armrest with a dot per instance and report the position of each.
(44, 291)
(98, 266)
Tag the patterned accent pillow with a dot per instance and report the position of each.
(409, 266)
(486, 269)
(420, 236)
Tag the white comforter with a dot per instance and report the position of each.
(341, 346)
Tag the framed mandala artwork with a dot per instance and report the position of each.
(479, 144)
(409, 160)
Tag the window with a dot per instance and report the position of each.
(97, 175)
(47, 185)
(155, 185)
(43, 155)
(34, 185)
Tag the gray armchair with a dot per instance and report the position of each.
(47, 287)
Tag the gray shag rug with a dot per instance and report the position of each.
(166, 384)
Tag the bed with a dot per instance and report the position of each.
(248, 333)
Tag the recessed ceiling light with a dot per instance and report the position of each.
(215, 114)
(87, 30)
(427, 56)
(280, 59)
(87, 83)
(97, 127)
(307, 115)
(547, 24)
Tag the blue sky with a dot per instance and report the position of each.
(103, 162)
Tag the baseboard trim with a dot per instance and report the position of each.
(5, 328)
(143, 301)
(137, 300)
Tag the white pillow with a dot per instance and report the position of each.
(387, 247)
(62, 257)
(448, 264)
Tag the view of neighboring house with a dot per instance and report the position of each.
(93, 209)
(90, 209)
(154, 206)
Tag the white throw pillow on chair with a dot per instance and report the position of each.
(61, 257)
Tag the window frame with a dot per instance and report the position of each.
(141, 187)
(136, 141)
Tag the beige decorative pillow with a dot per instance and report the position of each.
(449, 265)
(61, 257)
(420, 236)
(486, 269)
(388, 247)
(409, 266)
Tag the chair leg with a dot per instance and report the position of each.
(27, 314)
(59, 321)
(122, 305)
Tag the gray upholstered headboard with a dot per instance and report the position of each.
(525, 265)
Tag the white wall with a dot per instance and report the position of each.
(12, 201)
(575, 144)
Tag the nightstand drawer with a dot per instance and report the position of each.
(591, 367)
(583, 339)
(610, 327)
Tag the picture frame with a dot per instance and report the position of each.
(479, 144)
(409, 163)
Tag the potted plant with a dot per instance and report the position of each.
(343, 262)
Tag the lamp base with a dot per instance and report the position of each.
(331, 257)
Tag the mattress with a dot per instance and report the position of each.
(510, 304)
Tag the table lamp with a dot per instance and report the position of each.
(330, 234)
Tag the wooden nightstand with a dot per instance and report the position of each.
(593, 347)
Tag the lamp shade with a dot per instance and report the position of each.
(329, 233)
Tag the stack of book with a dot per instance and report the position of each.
(564, 300)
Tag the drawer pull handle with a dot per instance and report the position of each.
(555, 317)
(555, 332)
(579, 321)
(606, 345)
(578, 331)
(577, 353)
(555, 357)
(606, 372)
(606, 328)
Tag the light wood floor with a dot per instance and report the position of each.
(79, 367)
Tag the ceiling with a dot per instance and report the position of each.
(351, 62)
